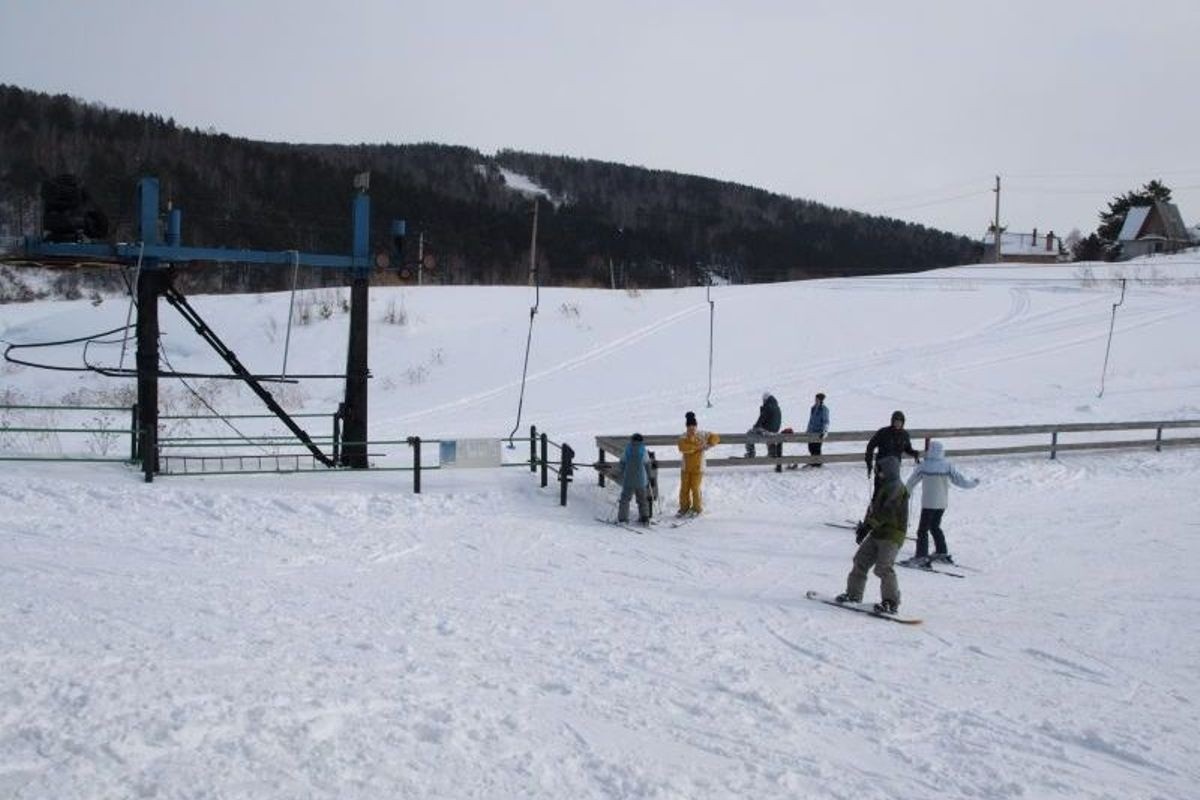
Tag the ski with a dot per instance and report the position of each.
(930, 568)
(862, 608)
(638, 529)
(679, 522)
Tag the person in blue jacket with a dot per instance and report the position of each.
(818, 424)
(634, 469)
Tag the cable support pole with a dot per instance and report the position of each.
(1108, 348)
(287, 339)
(712, 308)
(537, 300)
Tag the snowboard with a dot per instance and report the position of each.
(862, 608)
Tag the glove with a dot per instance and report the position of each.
(861, 531)
(918, 458)
(868, 469)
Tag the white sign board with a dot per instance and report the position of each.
(469, 453)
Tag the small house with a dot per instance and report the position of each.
(1156, 228)
(1028, 248)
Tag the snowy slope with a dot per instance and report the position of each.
(338, 636)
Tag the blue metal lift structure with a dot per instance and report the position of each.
(155, 257)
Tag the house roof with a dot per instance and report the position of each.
(1135, 218)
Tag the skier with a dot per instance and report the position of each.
(935, 474)
(770, 418)
(634, 469)
(818, 423)
(692, 444)
(886, 525)
(891, 440)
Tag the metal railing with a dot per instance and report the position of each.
(614, 445)
(37, 428)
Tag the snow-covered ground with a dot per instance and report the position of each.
(338, 636)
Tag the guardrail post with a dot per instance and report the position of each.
(533, 448)
(545, 464)
(564, 473)
(600, 471)
(1053, 445)
(415, 443)
(1158, 441)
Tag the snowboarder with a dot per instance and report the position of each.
(634, 469)
(935, 474)
(770, 418)
(891, 440)
(886, 526)
(818, 424)
(692, 444)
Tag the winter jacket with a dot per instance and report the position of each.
(818, 419)
(887, 518)
(935, 474)
(770, 418)
(692, 445)
(634, 467)
(889, 442)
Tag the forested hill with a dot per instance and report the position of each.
(602, 222)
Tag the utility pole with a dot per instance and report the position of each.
(996, 221)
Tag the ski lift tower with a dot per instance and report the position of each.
(153, 257)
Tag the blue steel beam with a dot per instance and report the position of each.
(128, 253)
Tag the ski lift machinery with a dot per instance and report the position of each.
(153, 258)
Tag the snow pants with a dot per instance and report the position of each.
(643, 503)
(881, 554)
(931, 522)
(689, 490)
(775, 450)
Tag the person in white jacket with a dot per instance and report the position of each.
(935, 474)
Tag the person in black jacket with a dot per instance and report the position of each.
(890, 441)
(770, 419)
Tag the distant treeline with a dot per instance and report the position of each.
(606, 223)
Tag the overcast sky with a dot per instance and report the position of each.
(897, 107)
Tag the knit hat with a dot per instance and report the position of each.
(690, 419)
(820, 395)
(897, 415)
(766, 394)
(637, 437)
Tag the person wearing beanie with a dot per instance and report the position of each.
(935, 474)
(818, 425)
(891, 440)
(770, 419)
(885, 528)
(634, 469)
(692, 445)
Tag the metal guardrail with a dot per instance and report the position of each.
(614, 445)
(97, 439)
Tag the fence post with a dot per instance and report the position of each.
(415, 443)
(133, 433)
(600, 471)
(545, 467)
(533, 448)
(564, 473)
(337, 438)
(1053, 445)
(1158, 441)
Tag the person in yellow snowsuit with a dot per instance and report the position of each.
(692, 444)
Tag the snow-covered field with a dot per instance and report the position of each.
(338, 636)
